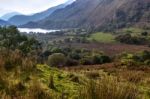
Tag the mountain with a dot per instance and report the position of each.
(22, 19)
(98, 14)
(3, 23)
(9, 15)
(69, 2)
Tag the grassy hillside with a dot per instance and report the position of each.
(136, 78)
(58, 81)
(76, 83)
(45, 82)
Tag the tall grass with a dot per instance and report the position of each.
(109, 88)
(16, 59)
(14, 66)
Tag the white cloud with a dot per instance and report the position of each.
(28, 6)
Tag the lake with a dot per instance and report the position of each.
(36, 30)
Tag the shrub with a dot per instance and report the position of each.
(147, 62)
(100, 59)
(136, 59)
(9, 65)
(71, 62)
(86, 61)
(12, 39)
(124, 38)
(145, 55)
(105, 59)
(129, 39)
(57, 59)
(144, 33)
(74, 55)
(56, 50)
(129, 60)
(67, 40)
(3, 82)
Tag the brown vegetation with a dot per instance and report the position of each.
(110, 49)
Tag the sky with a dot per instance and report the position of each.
(27, 6)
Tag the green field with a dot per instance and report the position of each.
(102, 37)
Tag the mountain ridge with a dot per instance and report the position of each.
(23, 19)
(98, 14)
(9, 15)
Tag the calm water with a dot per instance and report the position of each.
(35, 30)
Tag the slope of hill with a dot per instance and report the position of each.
(3, 23)
(23, 19)
(98, 14)
(9, 15)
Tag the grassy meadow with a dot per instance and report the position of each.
(102, 37)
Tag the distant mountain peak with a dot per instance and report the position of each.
(9, 15)
(23, 19)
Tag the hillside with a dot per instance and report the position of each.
(2, 23)
(99, 14)
(23, 19)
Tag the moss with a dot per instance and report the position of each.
(63, 84)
